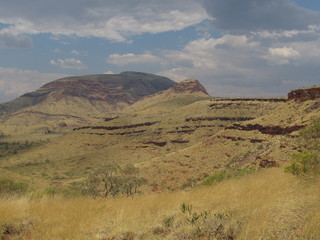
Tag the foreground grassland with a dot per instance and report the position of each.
(268, 204)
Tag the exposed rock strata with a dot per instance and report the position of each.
(271, 130)
(305, 94)
(189, 85)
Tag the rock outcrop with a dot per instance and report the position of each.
(189, 86)
(184, 89)
(305, 94)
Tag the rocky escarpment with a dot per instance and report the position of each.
(271, 130)
(189, 86)
(305, 94)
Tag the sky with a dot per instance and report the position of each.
(235, 48)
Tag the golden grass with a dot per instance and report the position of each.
(267, 205)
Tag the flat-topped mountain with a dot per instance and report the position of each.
(104, 92)
(73, 101)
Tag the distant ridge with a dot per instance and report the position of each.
(104, 92)
(73, 101)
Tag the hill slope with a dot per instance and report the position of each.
(166, 127)
(189, 88)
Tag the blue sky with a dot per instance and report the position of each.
(235, 48)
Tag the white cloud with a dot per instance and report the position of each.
(57, 50)
(69, 63)
(108, 72)
(287, 52)
(247, 65)
(282, 55)
(75, 52)
(9, 40)
(115, 20)
(15, 82)
(129, 58)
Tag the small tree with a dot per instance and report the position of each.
(110, 180)
(131, 182)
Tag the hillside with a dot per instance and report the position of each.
(74, 101)
(215, 170)
(166, 127)
(189, 88)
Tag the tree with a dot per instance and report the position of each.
(111, 180)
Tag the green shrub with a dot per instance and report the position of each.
(304, 163)
(206, 225)
(168, 222)
(308, 161)
(227, 174)
(108, 181)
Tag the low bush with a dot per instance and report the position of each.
(308, 161)
(227, 174)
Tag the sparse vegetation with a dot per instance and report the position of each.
(176, 144)
(108, 181)
(10, 187)
(308, 161)
(266, 203)
(227, 174)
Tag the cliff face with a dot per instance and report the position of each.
(189, 86)
(305, 94)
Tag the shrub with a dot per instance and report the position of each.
(109, 181)
(168, 222)
(206, 225)
(304, 163)
(227, 174)
(308, 161)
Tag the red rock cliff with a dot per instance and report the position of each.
(189, 85)
(305, 94)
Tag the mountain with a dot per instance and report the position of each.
(75, 100)
(103, 92)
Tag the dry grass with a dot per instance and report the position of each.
(267, 205)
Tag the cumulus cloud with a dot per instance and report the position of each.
(253, 15)
(247, 65)
(15, 82)
(124, 59)
(8, 40)
(108, 72)
(69, 63)
(282, 55)
(75, 52)
(113, 19)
